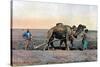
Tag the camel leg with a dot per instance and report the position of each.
(66, 46)
(61, 43)
(71, 41)
(50, 42)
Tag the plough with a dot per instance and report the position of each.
(45, 44)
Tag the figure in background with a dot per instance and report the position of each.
(71, 36)
(85, 39)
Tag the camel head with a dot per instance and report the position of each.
(79, 29)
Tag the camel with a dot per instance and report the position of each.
(63, 33)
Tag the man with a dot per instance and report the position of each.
(71, 36)
(85, 38)
(27, 36)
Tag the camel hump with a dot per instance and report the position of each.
(59, 29)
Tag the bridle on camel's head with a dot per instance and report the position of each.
(79, 29)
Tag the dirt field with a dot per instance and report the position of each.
(39, 37)
(32, 57)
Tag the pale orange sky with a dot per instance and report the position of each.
(40, 15)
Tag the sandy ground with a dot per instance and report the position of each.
(39, 37)
(34, 57)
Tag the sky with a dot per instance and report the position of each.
(44, 15)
